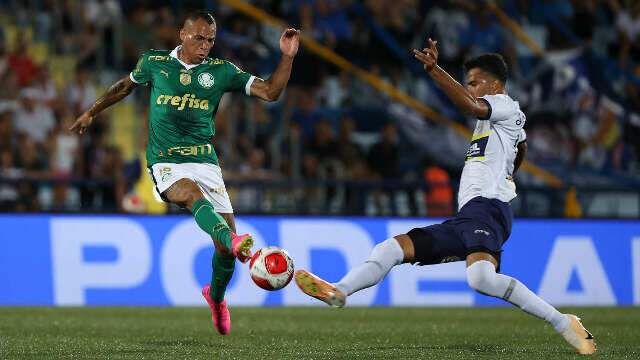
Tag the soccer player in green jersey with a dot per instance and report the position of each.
(186, 88)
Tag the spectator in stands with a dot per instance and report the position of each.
(384, 157)
(63, 151)
(33, 118)
(349, 153)
(314, 195)
(4, 57)
(439, 195)
(70, 26)
(8, 78)
(139, 36)
(486, 36)
(9, 195)
(47, 93)
(80, 93)
(106, 16)
(323, 143)
(332, 22)
(33, 163)
(165, 29)
(335, 92)
(383, 160)
(21, 63)
(305, 114)
(448, 23)
(7, 138)
(628, 24)
(249, 196)
(88, 44)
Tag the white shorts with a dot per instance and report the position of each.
(207, 176)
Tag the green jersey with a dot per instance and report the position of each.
(183, 104)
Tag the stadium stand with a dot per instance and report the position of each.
(355, 94)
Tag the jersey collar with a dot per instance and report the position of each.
(174, 54)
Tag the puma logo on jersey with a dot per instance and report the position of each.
(478, 231)
(186, 100)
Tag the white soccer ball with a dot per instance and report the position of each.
(271, 268)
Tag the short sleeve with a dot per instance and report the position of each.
(238, 80)
(522, 137)
(500, 107)
(141, 74)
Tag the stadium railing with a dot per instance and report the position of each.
(348, 197)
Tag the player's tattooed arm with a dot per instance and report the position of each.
(115, 93)
(270, 89)
(460, 96)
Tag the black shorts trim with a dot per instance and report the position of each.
(155, 185)
(422, 246)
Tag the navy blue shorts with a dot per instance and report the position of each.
(482, 225)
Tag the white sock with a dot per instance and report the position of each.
(483, 278)
(384, 256)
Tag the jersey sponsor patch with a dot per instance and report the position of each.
(181, 102)
(477, 147)
(159, 58)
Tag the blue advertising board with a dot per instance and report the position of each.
(164, 260)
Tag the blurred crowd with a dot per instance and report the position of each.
(582, 98)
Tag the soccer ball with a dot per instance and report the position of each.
(271, 268)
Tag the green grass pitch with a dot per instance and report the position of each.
(305, 333)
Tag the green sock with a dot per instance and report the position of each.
(212, 223)
(223, 266)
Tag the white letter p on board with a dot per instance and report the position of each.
(72, 275)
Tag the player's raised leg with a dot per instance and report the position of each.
(186, 193)
(384, 256)
(482, 277)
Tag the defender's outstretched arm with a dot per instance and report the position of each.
(270, 89)
(116, 92)
(462, 98)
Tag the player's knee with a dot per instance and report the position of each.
(406, 244)
(191, 197)
(480, 276)
(184, 193)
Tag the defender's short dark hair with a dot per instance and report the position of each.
(204, 15)
(493, 63)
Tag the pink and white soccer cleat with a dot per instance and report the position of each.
(219, 313)
(241, 246)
